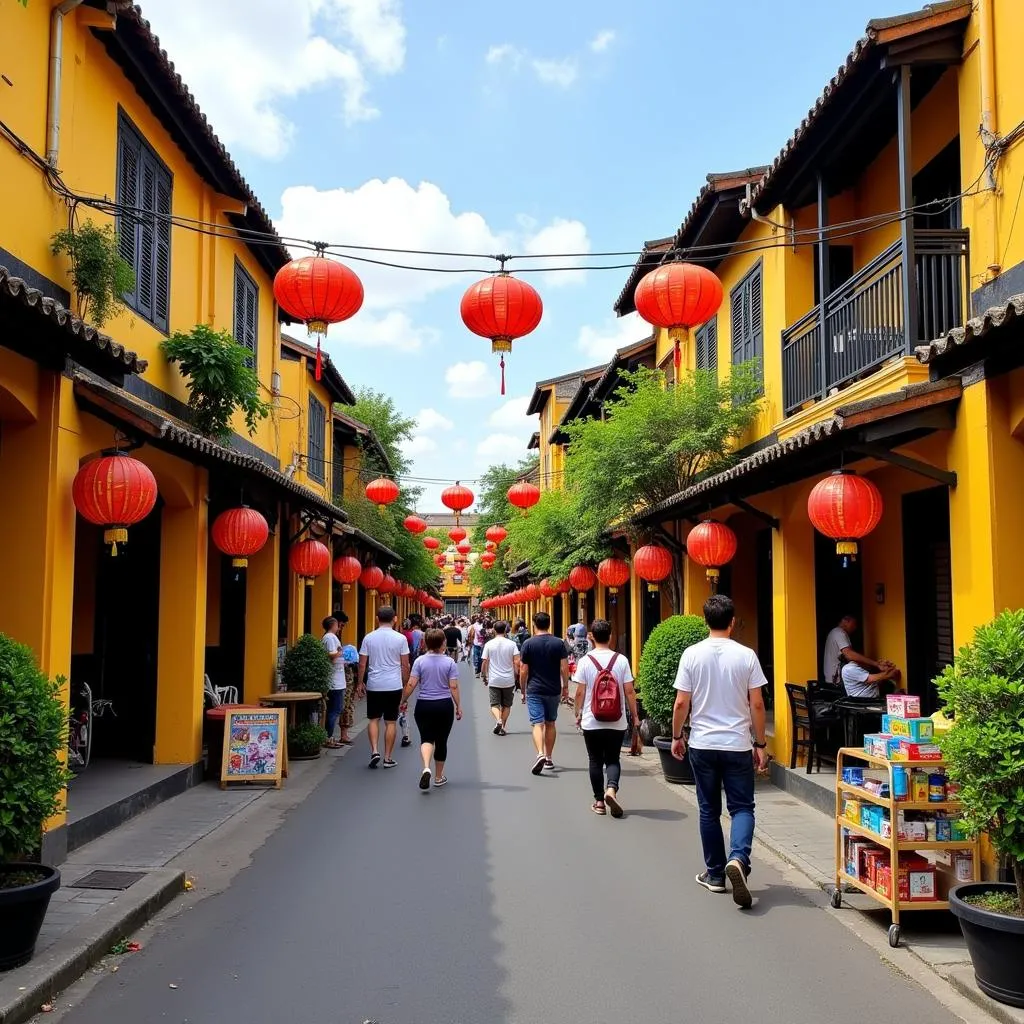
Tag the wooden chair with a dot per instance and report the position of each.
(808, 723)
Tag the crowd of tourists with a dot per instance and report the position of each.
(719, 712)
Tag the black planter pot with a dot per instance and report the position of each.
(673, 770)
(995, 942)
(22, 910)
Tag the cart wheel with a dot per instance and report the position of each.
(836, 899)
(894, 935)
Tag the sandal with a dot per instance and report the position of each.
(332, 744)
(597, 807)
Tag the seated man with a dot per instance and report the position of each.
(859, 682)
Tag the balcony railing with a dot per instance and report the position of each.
(864, 322)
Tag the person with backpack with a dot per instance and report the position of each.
(604, 689)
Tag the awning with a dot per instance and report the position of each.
(389, 556)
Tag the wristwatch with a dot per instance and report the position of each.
(760, 746)
(681, 736)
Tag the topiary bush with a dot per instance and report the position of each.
(307, 666)
(306, 739)
(984, 748)
(33, 732)
(659, 663)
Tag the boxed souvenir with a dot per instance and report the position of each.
(873, 859)
(877, 744)
(921, 883)
(903, 705)
(852, 808)
(910, 751)
(916, 729)
(853, 776)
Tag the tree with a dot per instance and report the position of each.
(379, 412)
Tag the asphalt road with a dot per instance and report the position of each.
(500, 899)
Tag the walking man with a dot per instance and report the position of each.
(500, 667)
(476, 639)
(544, 677)
(383, 672)
(336, 693)
(719, 683)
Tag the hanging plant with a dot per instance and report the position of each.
(219, 382)
(98, 273)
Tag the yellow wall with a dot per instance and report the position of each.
(297, 383)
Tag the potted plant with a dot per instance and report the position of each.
(33, 731)
(305, 741)
(307, 669)
(656, 677)
(984, 753)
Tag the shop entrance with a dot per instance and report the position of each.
(558, 626)
(838, 591)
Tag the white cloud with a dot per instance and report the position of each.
(505, 52)
(420, 444)
(560, 236)
(600, 343)
(394, 330)
(498, 448)
(512, 415)
(561, 72)
(470, 380)
(244, 68)
(602, 40)
(429, 420)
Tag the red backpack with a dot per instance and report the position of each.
(606, 697)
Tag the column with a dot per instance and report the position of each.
(350, 606)
(322, 593)
(637, 589)
(261, 610)
(906, 173)
(696, 588)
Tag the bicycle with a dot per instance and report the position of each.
(80, 731)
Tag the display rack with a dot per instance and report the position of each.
(892, 843)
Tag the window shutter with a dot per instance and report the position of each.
(315, 450)
(711, 344)
(128, 197)
(736, 312)
(147, 201)
(246, 313)
(756, 327)
(162, 251)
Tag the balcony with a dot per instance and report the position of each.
(865, 319)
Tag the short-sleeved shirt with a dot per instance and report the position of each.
(476, 634)
(383, 649)
(500, 654)
(719, 673)
(855, 681)
(436, 673)
(452, 637)
(835, 643)
(587, 672)
(543, 655)
(333, 646)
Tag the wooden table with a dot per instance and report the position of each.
(290, 701)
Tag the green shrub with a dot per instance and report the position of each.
(659, 663)
(99, 275)
(984, 749)
(307, 666)
(33, 731)
(306, 739)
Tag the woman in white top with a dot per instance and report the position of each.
(603, 736)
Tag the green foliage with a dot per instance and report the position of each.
(984, 749)
(307, 666)
(659, 663)
(218, 380)
(33, 730)
(99, 275)
(393, 429)
(306, 739)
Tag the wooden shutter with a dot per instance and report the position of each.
(315, 450)
(128, 200)
(707, 346)
(162, 249)
(147, 240)
(738, 321)
(246, 312)
(755, 330)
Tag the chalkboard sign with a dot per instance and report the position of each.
(254, 746)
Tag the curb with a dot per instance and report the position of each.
(962, 979)
(68, 959)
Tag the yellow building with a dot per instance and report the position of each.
(106, 131)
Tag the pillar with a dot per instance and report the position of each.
(261, 610)
(637, 587)
(695, 587)
(350, 606)
(323, 587)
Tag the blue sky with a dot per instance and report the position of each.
(536, 127)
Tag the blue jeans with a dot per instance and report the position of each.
(733, 769)
(335, 706)
(478, 655)
(542, 708)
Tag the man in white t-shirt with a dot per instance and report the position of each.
(336, 693)
(499, 666)
(603, 738)
(475, 640)
(383, 673)
(839, 650)
(719, 683)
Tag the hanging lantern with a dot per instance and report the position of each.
(546, 589)
(239, 533)
(309, 559)
(388, 585)
(582, 578)
(501, 308)
(456, 533)
(440, 561)
(489, 545)
(523, 495)
(114, 491)
(414, 524)
(382, 492)
(371, 578)
(532, 592)
(318, 291)
(563, 586)
(431, 543)
(845, 507)
(408, 590)
(346, 570)
(463, 547)
(678, 297)
(712, 545)
(613, 573)
(457, 498)
(653, 563)
(496, 534)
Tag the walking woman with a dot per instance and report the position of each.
(437, 706)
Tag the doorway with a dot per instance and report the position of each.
(558, 626)
(838, 591)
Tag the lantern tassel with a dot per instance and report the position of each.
(502, 365)
(678, 357)
(319, 360)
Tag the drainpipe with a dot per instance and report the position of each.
(53, 88)
(989, 127)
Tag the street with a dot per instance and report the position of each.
(500, 899)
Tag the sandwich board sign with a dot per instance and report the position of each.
(255, 746)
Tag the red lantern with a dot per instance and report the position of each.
(501, 308)
(523, 495)
(546, 589)
(563, 586)
(347, 570)
(678, 297)
(613, 573)
(408, 590)
(439, 560)
(456, 533)
(582, 578)
(387, 585)
(431, 543)
(489, 545)
(309, 559)
(457, 498)
(463, 547)
(532, 592)
(371, 578)
(711, 544)
(496, 534)
(114, 491)
(845, 507)
(653, 563)
(414, 524)
(318, 291)
(240, 532)
(382, 491)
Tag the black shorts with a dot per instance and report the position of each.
(500, 696)
(383, 704)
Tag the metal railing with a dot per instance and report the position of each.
(864, 322)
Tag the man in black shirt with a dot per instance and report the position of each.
(452, 639)
(544, 677)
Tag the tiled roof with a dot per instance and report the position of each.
(362, 430)
(14, 289)
(995, 318)
(714, 185)
(369, 541)
(648, 259)
(335, 383)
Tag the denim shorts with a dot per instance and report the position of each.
(542, 707)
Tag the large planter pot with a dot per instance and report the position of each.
(649, 729)
(995, 942)
(673, 770)
(22, 910)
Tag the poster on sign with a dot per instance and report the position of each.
(254, 746)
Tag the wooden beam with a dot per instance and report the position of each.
(925, 469)
(757, 513)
